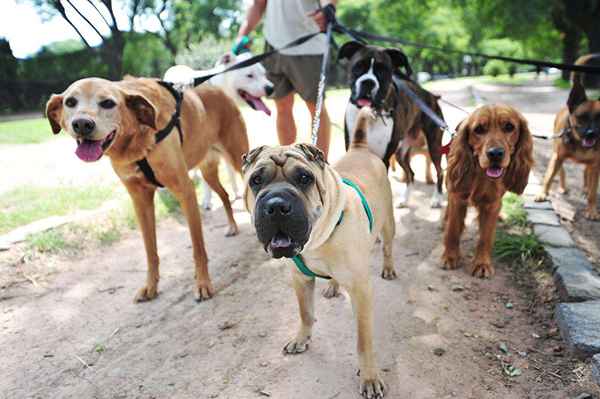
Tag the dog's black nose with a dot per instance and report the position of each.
(83, 126)
(277, 206)
(269, 90)
(495, 154)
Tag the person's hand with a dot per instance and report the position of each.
(242, 45)
(323, 16)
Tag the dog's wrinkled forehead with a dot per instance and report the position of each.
(306, 154)
(368, 54)
(492, 116)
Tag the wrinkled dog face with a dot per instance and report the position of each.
(493, 132)
(371, 69)
(585, 117)
(91, 111)
(247, 84)
(284, 195)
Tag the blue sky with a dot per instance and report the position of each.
(27, 31)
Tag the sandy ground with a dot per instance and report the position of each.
(438, 334)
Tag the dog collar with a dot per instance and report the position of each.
(299, 262)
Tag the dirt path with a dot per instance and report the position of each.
(230, 346)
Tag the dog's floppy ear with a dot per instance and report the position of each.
(249, 158)
(521, 162)
(348, 50)
(577, 96)
(54, 108)
(313, 154)
(226, 59)
(399, 60)
(461, 161)
(144, 110)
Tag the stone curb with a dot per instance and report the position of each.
(577, 283)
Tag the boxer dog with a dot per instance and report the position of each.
(326, 219)
(400, 120)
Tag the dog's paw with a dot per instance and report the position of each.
(296, 346)
(482, 269)
(563, 191)
(203, 291)
(388, 273)
(146, 294)
(233, 230)
(372, 388)
(332, 290)
(541, 197)
(591, 214)
(450, 261)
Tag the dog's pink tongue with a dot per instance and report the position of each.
(259, 105)
(494, 173)
(363, 102)
(89, 150)
(587, 142)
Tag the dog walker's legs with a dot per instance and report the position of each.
(488, 217)
(207, 196)
(305, 293)
(553, 167)
(455, 224)
(593, 176)
(371, 384)
(186, 194)
(563, 181)
(143, 203)
(210, 171)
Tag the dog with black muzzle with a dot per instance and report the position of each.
(577, 130)
(400, 121)
(326, 220)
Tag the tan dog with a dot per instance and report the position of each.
(301, 207)
(491, 154)
(577, 130)
(121, 119)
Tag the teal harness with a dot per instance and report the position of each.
(298, 259)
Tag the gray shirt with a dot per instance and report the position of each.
(287, 20)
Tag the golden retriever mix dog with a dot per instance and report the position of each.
(153, 138)
(491, 154)
(577, 130)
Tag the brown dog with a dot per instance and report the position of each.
(491, 154)
(577, 130)
(302, 209)
(124, 120)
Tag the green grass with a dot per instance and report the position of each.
(28, 204)
(27, 131)
(50, 241)
(562, 84)
(513, 211)
(522, 247)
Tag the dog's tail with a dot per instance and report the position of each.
(361, 127)
(576, 77)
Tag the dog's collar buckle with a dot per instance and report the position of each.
(299, 262)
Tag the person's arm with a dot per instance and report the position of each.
(253, 17)
(319, 17)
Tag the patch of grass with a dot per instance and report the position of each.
(562, 83)
(27, 131)
(516, 80)
(513, 211)
(520, 247)
(109, 232)
(50, 241)
(28, 204)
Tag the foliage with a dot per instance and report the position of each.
(204, 54)
(495, 68)
(513, 211)
(145, 55)
(522, 247)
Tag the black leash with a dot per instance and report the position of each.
(162, 134)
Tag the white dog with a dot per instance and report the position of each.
(247, 85)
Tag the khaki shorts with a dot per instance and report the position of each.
(294, 73)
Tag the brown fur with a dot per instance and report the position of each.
(569, 147)
(208, 118)
(468, 184)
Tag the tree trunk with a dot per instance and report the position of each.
(112, 54)
(593, 36)
(571, 43)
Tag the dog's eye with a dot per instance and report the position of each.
(250, 76)
(305, 179)
(70, 102)
(107, 104)
(508, 127)
(256, 180)
(479, 129)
